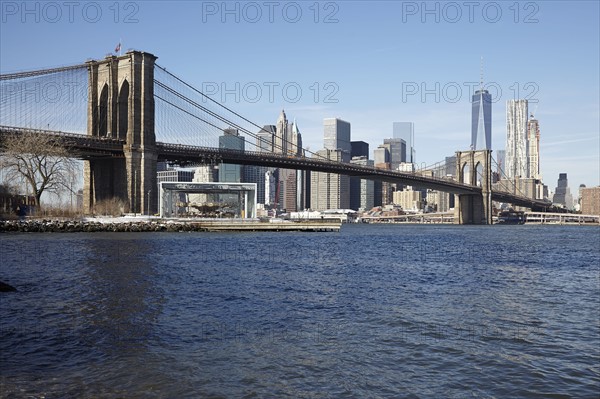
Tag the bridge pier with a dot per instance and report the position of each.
(121, 105)
(474, 167)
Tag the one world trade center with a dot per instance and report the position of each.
(481, 121)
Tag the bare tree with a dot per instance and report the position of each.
(41, 161)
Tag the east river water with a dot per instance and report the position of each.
(372, 311)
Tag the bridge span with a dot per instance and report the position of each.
(92, 147)
(120, 146)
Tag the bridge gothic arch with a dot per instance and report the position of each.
(102, 111)
(123, 111)
(478, 173)
(121, 105)
(466, 173)
(474, 168)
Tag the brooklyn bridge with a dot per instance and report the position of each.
(123, 114)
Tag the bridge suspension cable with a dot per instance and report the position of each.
(50, 99)
(212, 113)
(505, 181)
(39, 72)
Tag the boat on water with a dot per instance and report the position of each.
(511, 217)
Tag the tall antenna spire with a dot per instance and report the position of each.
(481, 74)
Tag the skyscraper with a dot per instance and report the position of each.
(361, 190)
(406, 132)
(397, 148)
(266, 138)
(501, 163)
(297, 150)
(256, 174)
(337, 137)
(533, 133)
(517, 148)
(280, 142)
(562, 193)
(329, 190)
(231, 140)
(481, 121)
(289, 178)
(286, 140)
(359, 149)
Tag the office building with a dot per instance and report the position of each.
(590, 200)
(481, 120)
(280, 142)
(440, 201)
(281, 138)
(406, 132)
(256, 174)
(231, 140)
(533, 133)
(381, 155)
(562, 193)
(271, 183)
(517, 148)
(330, 190)
(361, 190)
(172, 175)
(359, 149)
(408, 200)
(204, 174)
(290, 192)
(337, 137)
(265, 138)
(383, 190)
(500, 163)
(397, 150)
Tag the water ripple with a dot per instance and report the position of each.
(374, 311)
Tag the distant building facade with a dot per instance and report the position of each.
(361, 190)
(406, 132)
(231, 140)
(590, 200)
(533, 138)
(359, 149)
(329, 190)
(562, 193)
(408, 200)
(397, 150)
(337, 137)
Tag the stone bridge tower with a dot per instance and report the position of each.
(121, 105)
(474, 168)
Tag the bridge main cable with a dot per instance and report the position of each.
(39, 72)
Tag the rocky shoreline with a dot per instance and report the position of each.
(115, 225)
(82, 226)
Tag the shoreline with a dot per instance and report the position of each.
(131, 225)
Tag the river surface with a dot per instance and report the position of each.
(372, 311)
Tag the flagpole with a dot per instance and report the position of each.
(120, 46)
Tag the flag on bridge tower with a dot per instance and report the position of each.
(118, 48)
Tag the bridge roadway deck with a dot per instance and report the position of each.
(86, 147)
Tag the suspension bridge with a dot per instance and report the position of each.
(123, 114)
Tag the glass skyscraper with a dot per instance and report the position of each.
(337, 137)
(406, 132)
(481, 121)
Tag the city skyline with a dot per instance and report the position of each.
(370, 79)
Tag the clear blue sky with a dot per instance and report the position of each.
(363, 59)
